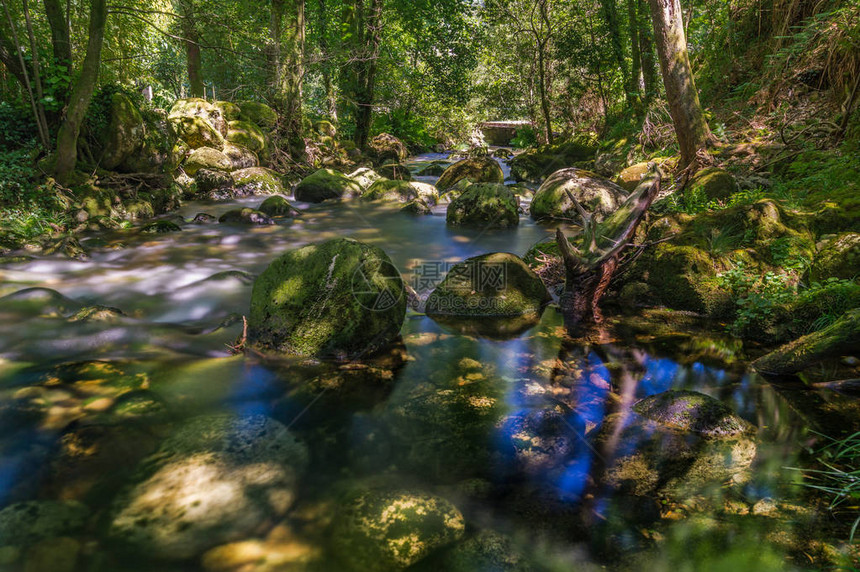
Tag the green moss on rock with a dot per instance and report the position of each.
(339, 299)
(713, 183)
(692, 412)
(598, 196)
(241, 157)
(326, 184)
(489, 205)
(229, 110)
(258, 113)
(278, 206)
(206, 158)
(495, 284)
(246, 216)
(839, 258)
(124, 135)
(386, 147)
(378, 531)
(257, 181)
(247, 135)
(476, 170)
(400, 191)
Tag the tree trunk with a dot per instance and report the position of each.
(66, 157)
(646, 52)
(9, 58)
(287, 35)
(544, 97)
(328, 86)
(589, 268)
(691, 128)
(60, 35)
(191, 39)
(610, 14)
(366, 77)
(635, 86)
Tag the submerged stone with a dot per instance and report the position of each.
(496, 284)
(204, 218)
(215, 480)
(246, 216)
(487, 551)
(339, 299)
(417, 207)
(476, 170)
(400, 191)
(161, 227)
(392, 530)
(97, 314)
(278, 206)
(489, 205)
(694, 412)
(28, 522)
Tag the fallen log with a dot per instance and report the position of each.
(591, 266)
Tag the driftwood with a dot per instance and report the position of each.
(590, 267)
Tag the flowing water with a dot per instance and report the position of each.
(82, 401)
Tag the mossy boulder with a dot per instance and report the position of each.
(161, 227)
(241, 157)
(365, 177)
(197, 132)
(712, 184)
(278, 206)
(417, 207)
(257, 181)
(400, 191)
(206, 158)
(386, 530)
(258, 113)
(395, 172)
(229, 110)
(496, 284)
(476, 170)
(434, 169)
(386, 147)
(216, 479)
(692, 412)
(197, 107)
(685, 278)
(125, 133)
(326, 184)
(490, 205)
(839, 258)
(246, 216)
(339, 299)
(325, 128)
(840, 338)
(247, 135)
(630, 177)
(536, 164)
(596, 195)
(209, 180)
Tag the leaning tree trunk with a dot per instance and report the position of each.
(590, 267)
(691, 128)
(66, 157)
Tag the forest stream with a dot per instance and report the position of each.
(517, 438)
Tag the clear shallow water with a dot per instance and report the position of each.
(517, 432)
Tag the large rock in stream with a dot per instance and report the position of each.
(125, 133)
(487, 205)
(400, 191)
(596, 195)
(341, 299)
(218, 478)
(476, 170)
(496, 284)
(326, 184)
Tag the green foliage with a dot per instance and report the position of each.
(757, 297)
(839, 479)
(821, 304)
(410, 128)
(525, 137)
(693, 201)
(17, 127)
(27, 208)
